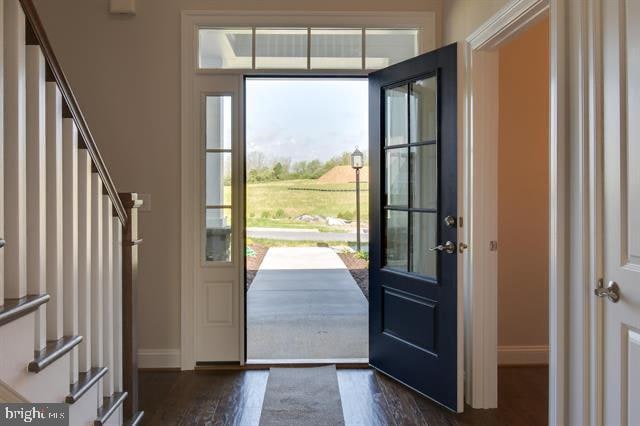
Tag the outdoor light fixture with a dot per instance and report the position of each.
(357, 162)
(357, 159)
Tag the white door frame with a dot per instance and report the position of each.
(481, 201)
(189, 232)
(575, 207)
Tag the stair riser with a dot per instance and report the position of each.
(16, 348)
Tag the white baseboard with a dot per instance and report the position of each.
(158, 358)
(523, 355)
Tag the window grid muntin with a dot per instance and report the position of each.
(308, 28)
(204, 150)
(409, 208)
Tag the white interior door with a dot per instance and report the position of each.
(621, 200)
(218, 245)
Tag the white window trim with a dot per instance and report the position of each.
(191, 152)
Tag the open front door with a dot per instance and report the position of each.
(414, 331)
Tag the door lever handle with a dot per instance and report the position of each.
(612, 291)
(449, 247)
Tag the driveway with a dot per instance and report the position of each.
(304, 305)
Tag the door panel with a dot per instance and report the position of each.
(621, 201)
(414, 296)
(217, 240)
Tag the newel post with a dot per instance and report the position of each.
(130, 242)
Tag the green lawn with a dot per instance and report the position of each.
(273, 204)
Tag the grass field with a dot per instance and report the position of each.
(274, 205)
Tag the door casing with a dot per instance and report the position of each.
(480, 198)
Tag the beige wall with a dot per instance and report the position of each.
(125, 72)
(523, 186)
(461, 17)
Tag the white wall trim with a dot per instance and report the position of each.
(511, 19)
(158, 358)
(480, 202)
(523, 355)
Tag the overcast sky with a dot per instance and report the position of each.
(306, 119)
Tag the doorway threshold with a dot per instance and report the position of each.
(339, 362)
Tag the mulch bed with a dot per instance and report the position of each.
(359, 269)
(253, 263)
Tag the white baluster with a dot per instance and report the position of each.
(96, 271)
(15, 202)
(70, 234)
(117, 304)
(107, 283)
(36, 186)
(84, 258)
(54, 212)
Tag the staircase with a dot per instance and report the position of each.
(68, 242)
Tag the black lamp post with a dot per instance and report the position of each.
(357, 162)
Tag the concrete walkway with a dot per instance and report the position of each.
(304, 305)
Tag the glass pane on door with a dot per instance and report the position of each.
(396, 116)
(424, 177)
(397, 177)
(424, 232)
(423, 105)
(396, 244)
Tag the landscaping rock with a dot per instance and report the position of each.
(334, 221)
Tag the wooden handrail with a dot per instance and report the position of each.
(54, 70)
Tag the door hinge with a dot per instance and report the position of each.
(493, 245)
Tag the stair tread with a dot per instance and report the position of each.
(16, 308)
(109, 406)
(85, 381)
(54, 350)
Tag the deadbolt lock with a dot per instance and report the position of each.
(450, 221)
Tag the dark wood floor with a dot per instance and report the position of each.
(368, 398)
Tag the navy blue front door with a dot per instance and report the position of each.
(414, 334)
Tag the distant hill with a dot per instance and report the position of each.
(344, 174)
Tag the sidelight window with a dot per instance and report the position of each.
(217, 177)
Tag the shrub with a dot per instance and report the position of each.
(266, 214)
(364, 255)
(346, 215)
(279, 214)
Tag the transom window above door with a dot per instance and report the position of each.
(305, 47)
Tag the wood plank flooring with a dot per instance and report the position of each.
(368, 398)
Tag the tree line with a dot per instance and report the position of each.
(261, 169)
